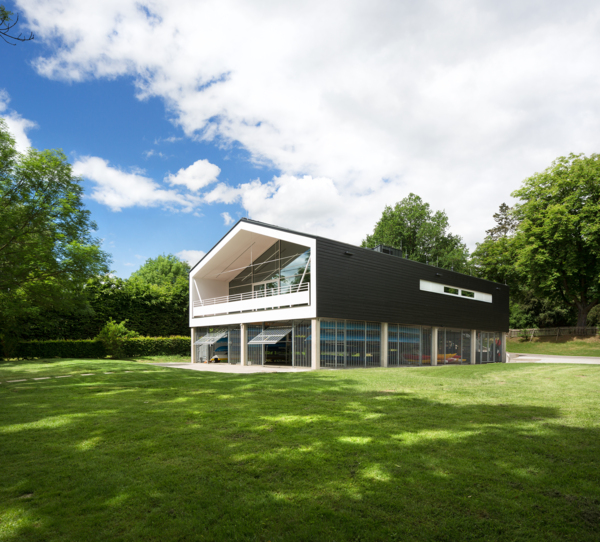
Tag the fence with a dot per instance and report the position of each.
(553, 332)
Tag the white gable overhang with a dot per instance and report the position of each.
(243, 244)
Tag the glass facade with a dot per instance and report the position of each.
(280, 269)
(346, 343)
(404, 345)
(292, 350)
(489, 347)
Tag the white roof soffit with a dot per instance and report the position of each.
(270, 336)
(244, 244)
(211, 338)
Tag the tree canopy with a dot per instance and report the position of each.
(557, 242)
(164, 270)
(7, 22)
(422, 235)
(47, 247)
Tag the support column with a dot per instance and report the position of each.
(193, 357)
(434, 345)
(243, 344)
(503, 346)
(473, 346)
(384, 345)
(315, 343)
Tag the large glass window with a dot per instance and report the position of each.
(281, 269)
(404, 344)
(347, 343)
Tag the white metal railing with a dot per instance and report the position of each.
(259, 294)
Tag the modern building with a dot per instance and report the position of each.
(281, 297)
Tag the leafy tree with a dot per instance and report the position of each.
(494, 258)
(47, 250)
(7, 24)
(166, 271)
(557, 242)
(421, 234)
(113, 336)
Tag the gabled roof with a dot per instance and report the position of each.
(257, 223)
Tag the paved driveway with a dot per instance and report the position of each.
(227, 368)
(538, 358)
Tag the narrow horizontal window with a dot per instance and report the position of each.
(448, 290)
(466, 293)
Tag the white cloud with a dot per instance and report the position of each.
(191, 256)
(227, 219)
(361, 102)
(129, 264)
(17, 125)
(118, 189)
(200, 174)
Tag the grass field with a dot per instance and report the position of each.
(556, 346)
(495, 452)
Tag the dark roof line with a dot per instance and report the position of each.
(273, 227)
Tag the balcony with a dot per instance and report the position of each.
(283, 296)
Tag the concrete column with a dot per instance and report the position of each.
(194, 360)
(315, 343)
(384, 344)
(473, 346)
(504, 353)
(434, 345)
(243, 344)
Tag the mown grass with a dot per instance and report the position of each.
(496, 452)
(556, 346)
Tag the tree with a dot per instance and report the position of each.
(421, 234)
(7, 24)
(494, 258)
(166, 271)
(47, 250)
(557, 242)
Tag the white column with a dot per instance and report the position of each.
(315, 343)
(473, 346)
(243, 344)
(504, 352)
(194, 360)
(434, 345)
(384, 344)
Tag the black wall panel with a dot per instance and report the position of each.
(379, 287)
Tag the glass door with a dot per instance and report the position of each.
(268, 288)
(259, 290)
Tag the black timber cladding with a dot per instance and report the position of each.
(369, 285)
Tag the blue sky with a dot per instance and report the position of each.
(315, 115)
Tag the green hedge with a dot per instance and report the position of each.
(87, 348)
(91, 348)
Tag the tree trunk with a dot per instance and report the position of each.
(582, 312)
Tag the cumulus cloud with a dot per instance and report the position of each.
(119, 189)
(360, 102)
(17, 125)
(200, 174)
(191, 256)
(227, 219)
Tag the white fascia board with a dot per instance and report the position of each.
(292, 313)
(310, 242)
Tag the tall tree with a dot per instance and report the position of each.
(7, 23)
(558, 239)
(422, 235)
(164, 270)
(47, 247)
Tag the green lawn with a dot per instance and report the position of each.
(495, 452)
(561, 346)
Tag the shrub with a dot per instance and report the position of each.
(113, 337)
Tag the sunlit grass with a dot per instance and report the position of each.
(498, 452)
(556, 346)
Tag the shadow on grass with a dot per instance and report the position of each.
(175, 455)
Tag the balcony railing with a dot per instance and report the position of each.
(294, 294)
